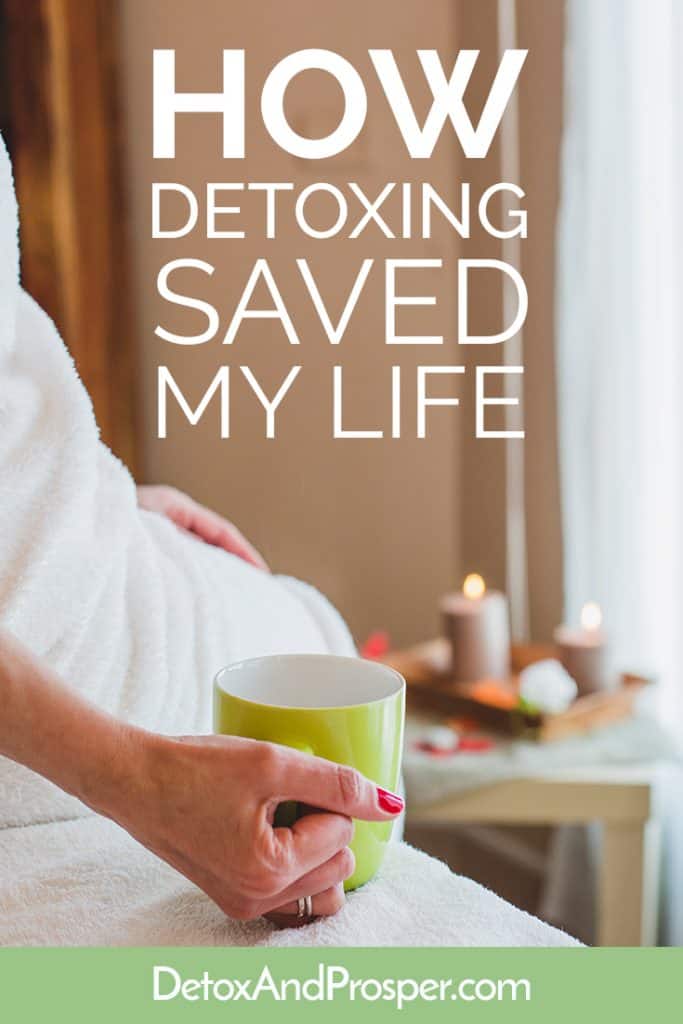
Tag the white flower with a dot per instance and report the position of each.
(547, 686)
(440, 738)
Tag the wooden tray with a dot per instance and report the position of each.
(494, 706)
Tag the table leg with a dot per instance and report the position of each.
(628, 884)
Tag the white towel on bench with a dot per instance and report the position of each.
(87, 882)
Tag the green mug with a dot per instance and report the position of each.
(343, 709)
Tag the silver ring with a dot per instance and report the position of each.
(304, 907)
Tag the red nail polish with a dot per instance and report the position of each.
(389, 802)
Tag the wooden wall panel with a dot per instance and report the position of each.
(59, 111)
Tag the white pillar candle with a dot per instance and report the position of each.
(477, 624)
(583, 651)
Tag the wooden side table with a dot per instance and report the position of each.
(621, 799)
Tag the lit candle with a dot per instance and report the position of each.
(476, 623)
(582, 651)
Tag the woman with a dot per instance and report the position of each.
(135, 599)
(138, 611)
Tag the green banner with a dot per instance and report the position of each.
(550, 985)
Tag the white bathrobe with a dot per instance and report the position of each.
(139, 616)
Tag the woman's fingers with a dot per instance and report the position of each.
(289, 774)
(323, 904)
(220, 532)
(311, 841)
(323, 879)
(336, 787)
(333, 872)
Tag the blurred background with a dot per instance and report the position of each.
(587, 508)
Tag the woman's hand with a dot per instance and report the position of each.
(206, 806)
(208, 526)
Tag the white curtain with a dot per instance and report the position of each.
(620, 344)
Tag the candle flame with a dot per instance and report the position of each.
(474, 586)
(591, 616)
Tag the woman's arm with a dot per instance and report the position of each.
(50, 729)
(203, 804)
